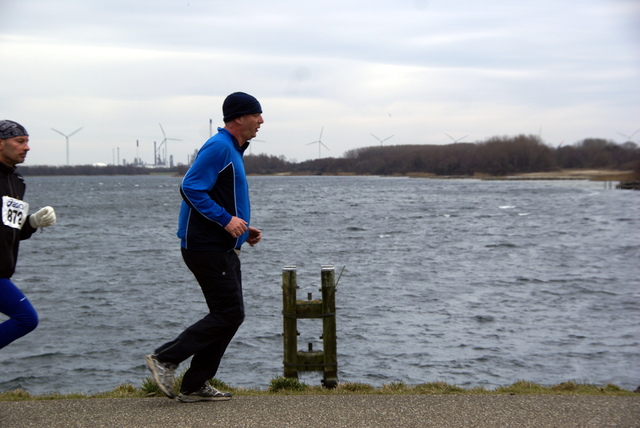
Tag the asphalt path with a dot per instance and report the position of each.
(329, 411)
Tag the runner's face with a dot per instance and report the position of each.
(14, 150)
(249, 125)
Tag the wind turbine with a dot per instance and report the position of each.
(454, 140)
(319, 143)
(67, 137)
(383, 140)
(165, 144)
(628, 137)
(251, 143)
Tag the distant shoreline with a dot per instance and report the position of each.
(566, 174)
(572, 174)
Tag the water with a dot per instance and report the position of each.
(474, 283)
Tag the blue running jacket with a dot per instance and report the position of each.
(213, 190)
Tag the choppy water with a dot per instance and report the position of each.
(475, 283)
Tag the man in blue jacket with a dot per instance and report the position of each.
(213, 224)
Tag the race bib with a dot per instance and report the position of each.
(14, 212)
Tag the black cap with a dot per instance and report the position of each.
(238, 104)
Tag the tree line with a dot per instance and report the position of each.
(497, 156)
(87, 170)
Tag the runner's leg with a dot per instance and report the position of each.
(23, 318)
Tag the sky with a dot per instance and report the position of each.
(348, 73)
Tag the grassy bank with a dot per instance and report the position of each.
(285, 386)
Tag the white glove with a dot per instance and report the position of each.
(42, 218)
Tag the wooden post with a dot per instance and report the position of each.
(289, 321)
(329, 327)
(325, 360)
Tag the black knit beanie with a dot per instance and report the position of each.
(238, 104)
(10, 129)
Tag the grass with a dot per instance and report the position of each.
(287, 386)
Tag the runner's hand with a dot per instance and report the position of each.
(236, 227)
(43, 218)
(255, 235)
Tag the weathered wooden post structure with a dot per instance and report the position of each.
(325, 360)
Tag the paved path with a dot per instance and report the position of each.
(350, 411)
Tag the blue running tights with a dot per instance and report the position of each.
(22, 317)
